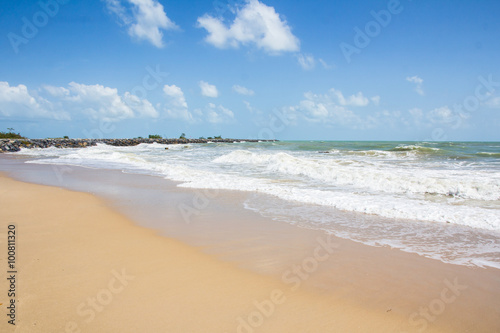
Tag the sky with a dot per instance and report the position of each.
(407, 70)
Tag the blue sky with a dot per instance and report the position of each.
(318, 70)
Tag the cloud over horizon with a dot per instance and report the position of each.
(332, 108)
(95, 102)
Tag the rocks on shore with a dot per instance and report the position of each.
(14, 145)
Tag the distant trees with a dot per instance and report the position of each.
(10, 134)
(155, 136)
(183, 136)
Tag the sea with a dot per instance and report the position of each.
(437, 199)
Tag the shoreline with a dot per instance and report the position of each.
(387, 286)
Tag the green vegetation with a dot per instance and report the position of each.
(10, 134)
(218, 137)
(183, 136)
(209, 138)
(202, 138)
(155, 136)
(65, 137)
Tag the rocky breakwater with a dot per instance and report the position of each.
(14, 145)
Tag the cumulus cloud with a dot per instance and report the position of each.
(441, 115)
(243, 90)
(92, 101)
(333, 108)
(17, 101)
(176, 106)
(418, 84)
(100, 102)
(56, 91)
(177, 95)
(353, 100)
(218, 114)
(145, 19)
(141, 107)
(306, 61)
(255, 24)
(208, 90)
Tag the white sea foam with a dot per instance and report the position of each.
(383, 178)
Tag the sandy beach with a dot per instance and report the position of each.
(249, 166)
(83, 267)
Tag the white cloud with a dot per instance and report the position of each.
(16, 101)
(93, 101)
(208, 90)
(177, 95)
(353, 100)
(332, 108)
(56, 91)
(255, 23)
(324, 64)
(441, 115)
(142, 107)
(242, 90)
(218, 114)
(145, 19)
(177, 107)
(100, 102)
(306, 61)
(418, 82)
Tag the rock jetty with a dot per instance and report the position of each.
(14, 145)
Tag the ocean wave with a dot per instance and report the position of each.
(417, 148)
(382, 205)
(370, 177)
(339, 181)
(489, 154)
